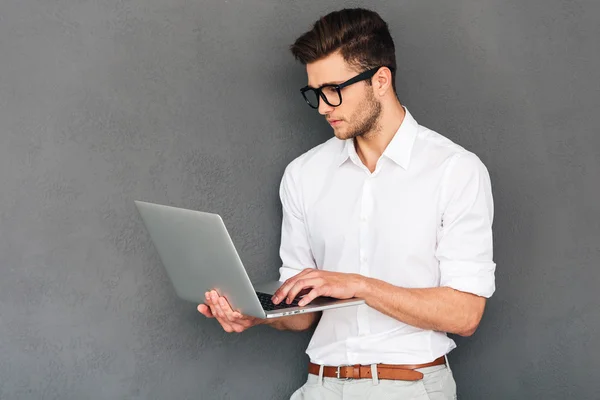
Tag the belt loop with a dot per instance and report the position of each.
(374, 374)
(321, 379)
(447, 363)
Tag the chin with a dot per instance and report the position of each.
(341, 134)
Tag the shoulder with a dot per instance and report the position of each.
(314, 160)
(433, 147)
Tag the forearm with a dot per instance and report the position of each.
(300, 322)
(441, 309)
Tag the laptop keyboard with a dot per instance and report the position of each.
(267, 303)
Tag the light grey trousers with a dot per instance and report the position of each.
(437, 384)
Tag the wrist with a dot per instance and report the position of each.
(276, 323)
(364, 287)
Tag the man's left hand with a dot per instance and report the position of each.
(323, 283)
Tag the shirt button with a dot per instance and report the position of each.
(363, 218)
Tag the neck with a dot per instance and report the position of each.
(371, 145)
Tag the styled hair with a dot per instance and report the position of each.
(361, 36)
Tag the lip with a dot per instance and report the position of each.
(334, 122)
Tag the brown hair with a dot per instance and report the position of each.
(361, 36)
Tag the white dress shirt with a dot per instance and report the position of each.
(422, 219)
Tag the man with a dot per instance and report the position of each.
(388, 211)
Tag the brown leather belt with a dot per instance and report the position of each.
(401, 372)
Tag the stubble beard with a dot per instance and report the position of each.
(368, 119)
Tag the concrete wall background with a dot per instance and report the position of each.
(196, 104)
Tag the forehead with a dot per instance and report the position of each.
(331, 69)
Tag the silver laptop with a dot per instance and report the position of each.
(199, 255)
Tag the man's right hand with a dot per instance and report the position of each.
(232, 321)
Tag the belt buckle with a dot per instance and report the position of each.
(337, 373)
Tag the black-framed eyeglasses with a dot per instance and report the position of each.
(332, 94)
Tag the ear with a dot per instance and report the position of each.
(382, 81)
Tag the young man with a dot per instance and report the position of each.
(388, 211)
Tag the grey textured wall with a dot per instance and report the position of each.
(195, 104)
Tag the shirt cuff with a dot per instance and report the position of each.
(475, 277)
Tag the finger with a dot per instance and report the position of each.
(226, 308)
(313, 294)
(216, 307)
(241, 322)
(228, 319)
(281, 293)
(205, 310)
(223, 309)
(227, 327)
(237, 320)
(224, 324)
(216, 311)
(301, 285)
(209, 305)
(283, 290)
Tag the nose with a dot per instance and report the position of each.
(324, 108)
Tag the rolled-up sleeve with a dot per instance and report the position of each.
(465, 244)
(295, 249)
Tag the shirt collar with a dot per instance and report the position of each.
(398, 150)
